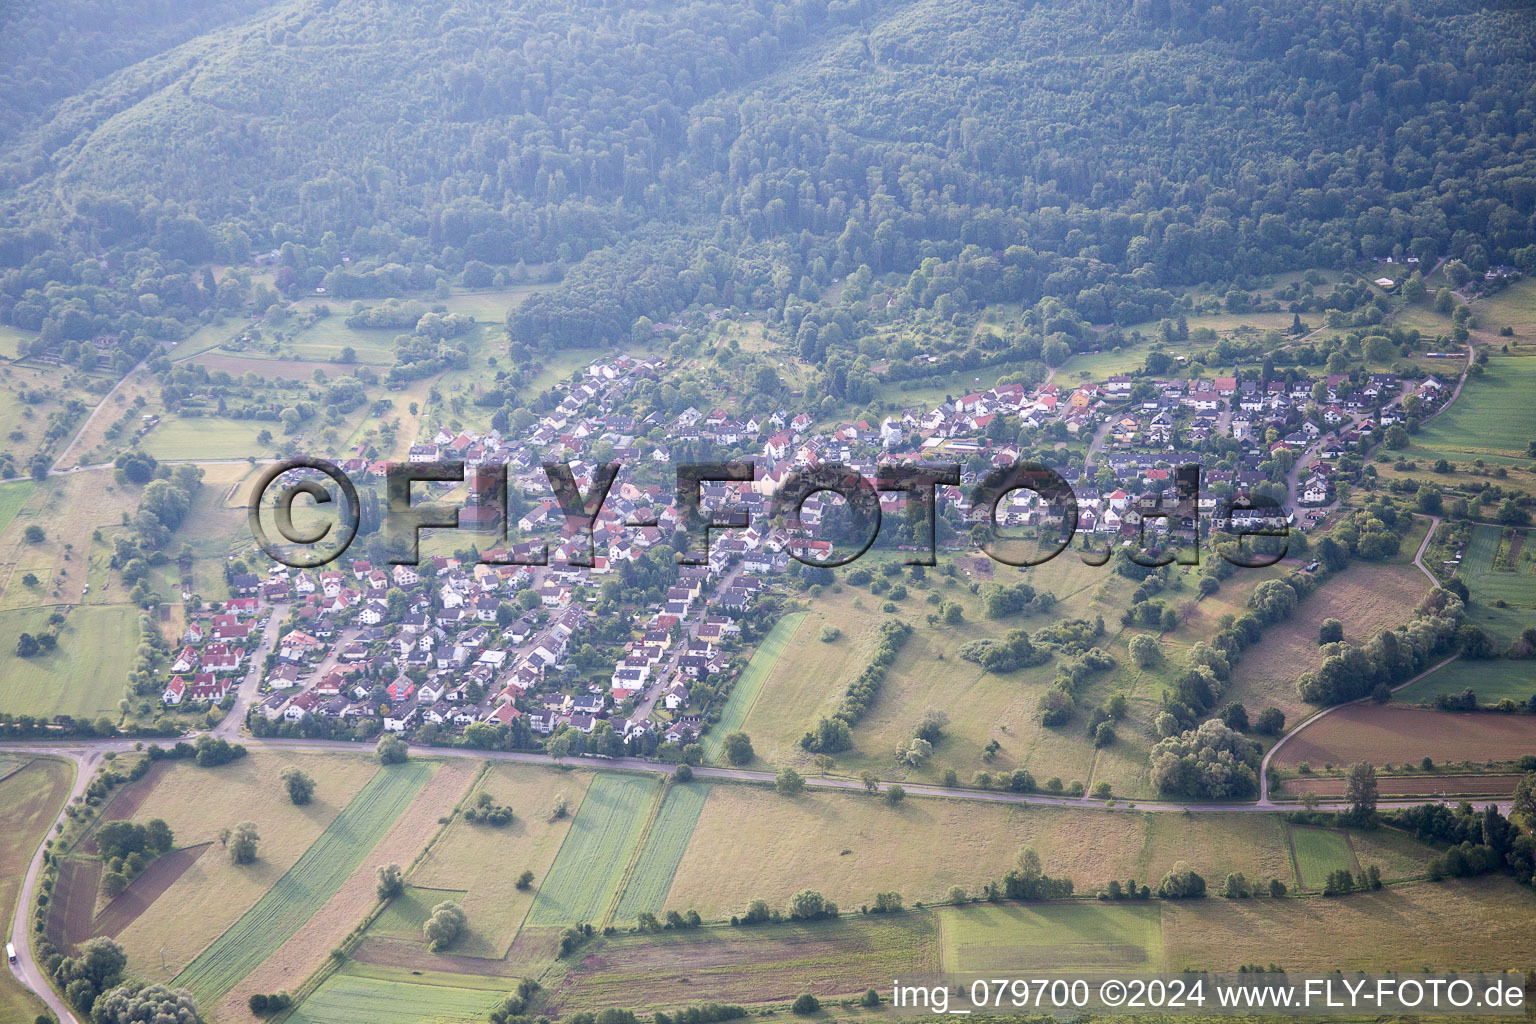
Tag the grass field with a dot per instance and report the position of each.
(1393, 734)
(665, 843)
(750, 684)
(1517, 590)
(69, 509)
(1051, 937)
(12, 496)
(10, 339)
(362, 995)
(408, 912)
(84, 677)
(30, 798)
(306, 885)
(1490, 680)
(1320, 851)
(748, 965)
(484, 862)
(586, 874)
(1493, 419)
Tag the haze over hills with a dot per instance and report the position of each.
(749, 153)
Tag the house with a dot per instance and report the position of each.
(676, 697)
(174, 691)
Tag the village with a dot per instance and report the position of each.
(488, 650)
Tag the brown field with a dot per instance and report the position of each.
(74, 902)
(1389, 734)
(531, 952)
(148, 887)
(1365, 598)
(307, 949)
(1410, 785)
(132, 796)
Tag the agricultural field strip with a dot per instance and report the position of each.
(1317, 852)
(750, 684)
(312, 880)
(651, 879)
(349, 998)
(597, 850)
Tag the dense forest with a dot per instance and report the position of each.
(1081, 157)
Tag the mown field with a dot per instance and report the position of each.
(368, 995)
(751, 843)
(30, 798)
(1490, 680)
(1452, 926)
(83, 677)
(645, 891)
(483, 862)
(1318, 852)
(1394, 734)
(306, 885)
(1051, 937)
(747, 965)
(586, 875)
(750, 684)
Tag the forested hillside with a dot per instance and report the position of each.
(1092, 152)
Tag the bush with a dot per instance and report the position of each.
(447, 923)
(737, 747)
(805, 1004)
(1181, 883)
(830, 634)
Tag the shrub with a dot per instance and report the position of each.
(806, 1004)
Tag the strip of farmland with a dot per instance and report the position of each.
(307, 885)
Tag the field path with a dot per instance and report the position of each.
(79, 433)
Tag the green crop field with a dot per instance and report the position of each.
(307, 885)
(83, 677)
(1490, 680)
(1050, 937)
(1318, 852)
(1494, 419)
(1487, 585)
(663, 851)
(750, 684)
(363, 995)
(590, 866)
